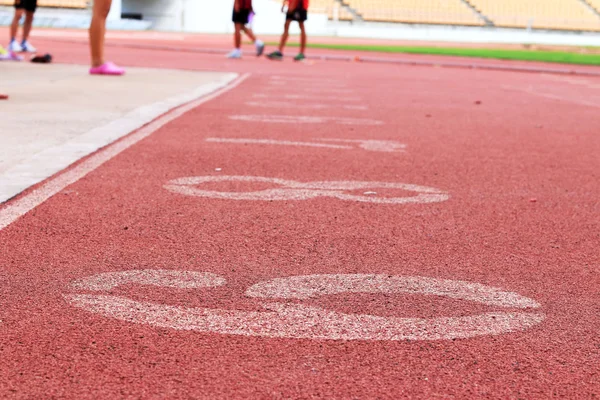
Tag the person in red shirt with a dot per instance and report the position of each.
(242, 14)
(297, 10)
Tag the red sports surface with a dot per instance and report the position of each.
(325, 229)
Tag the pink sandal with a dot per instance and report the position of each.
(107, 68)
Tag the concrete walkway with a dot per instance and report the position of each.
(57, 114)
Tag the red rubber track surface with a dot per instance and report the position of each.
(518, 154)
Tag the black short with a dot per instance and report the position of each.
(27, 5)
(300, 15)
(241, 17)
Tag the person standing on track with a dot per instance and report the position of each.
(297, 11)
(97, 34)
(242, 13)
(28, 8)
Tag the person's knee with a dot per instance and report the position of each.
(29, 16)
(102, 9)
(18, 14)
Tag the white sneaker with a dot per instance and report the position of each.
(15, 47)
(235, 53)
(260, 48)
(26, 46)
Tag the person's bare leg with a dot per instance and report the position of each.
(27, 25)
(98, 30)
(284, 37)
(238, 36)
(249, 33)
(302, 38)
(15, 23)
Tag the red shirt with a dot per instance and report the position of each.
(299, 4)
(245, 4)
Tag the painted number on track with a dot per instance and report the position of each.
(292, 190)
(299, 321)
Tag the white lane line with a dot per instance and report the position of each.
(292, 79)
(311, 106)
(317, 90)
(387, 146)
(276, 143)
(299, 321)
(305, 119)
(15, 209)
(304, 97)
(315, 85)
(574, 81)
(536, 92)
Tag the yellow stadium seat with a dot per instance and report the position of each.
(453, 12)
(547, 14)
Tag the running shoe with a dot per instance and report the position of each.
(15, 47)
(299, 57)
(260, 48)
(26, 46)
(276, 55)
(235, 54)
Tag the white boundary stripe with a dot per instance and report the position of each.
(319, 90)
(387, 146)
(314, 97)
(276, 143)
(303, 79)
(14, 210)
(55, 159)
(316, 106)
(537, 93)
(304, 119)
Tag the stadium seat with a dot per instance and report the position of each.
(453, 12)
(547, 14)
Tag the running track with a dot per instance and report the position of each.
(512, 164)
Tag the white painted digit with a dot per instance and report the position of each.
(298, 321)
(292, 190)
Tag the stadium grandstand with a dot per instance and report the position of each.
(569, 15)
(574, 15)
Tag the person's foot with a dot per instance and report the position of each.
(260, 48)
(15, 47)
(299, 57)
(107, 68)
(235, 54)
(26, 46)
(9, 55)
(276, 55)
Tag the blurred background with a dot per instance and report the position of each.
(574, 22)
